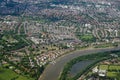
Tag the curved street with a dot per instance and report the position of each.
(52, 71)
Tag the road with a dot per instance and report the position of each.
(52, 71)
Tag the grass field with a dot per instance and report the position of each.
(114, 67)
(7, 74)
(111, 67)
(104, 67)
(112, 74)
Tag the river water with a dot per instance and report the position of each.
(76, 68)
(52, 71)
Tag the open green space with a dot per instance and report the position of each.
(87, 38)
(7, 74)
(103, 67)
(117, 67)
(113, 71)
(113, 75)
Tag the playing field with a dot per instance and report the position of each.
(103, 67)
(112, 70)
(7, 74)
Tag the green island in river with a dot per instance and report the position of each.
(97, 57)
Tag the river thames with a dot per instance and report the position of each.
(52, 71)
